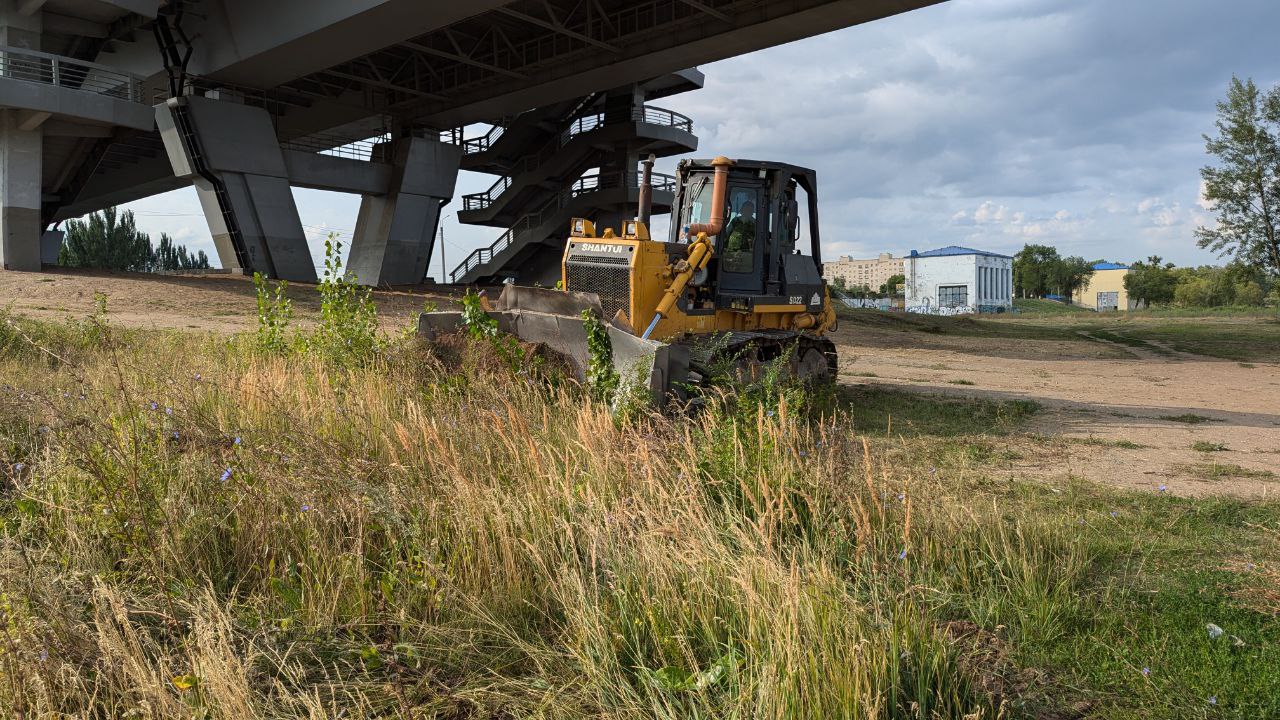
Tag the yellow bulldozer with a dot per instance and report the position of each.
(738, 284)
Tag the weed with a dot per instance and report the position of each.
(348, 329)
(1205, 446)
(601, 376)
(962, 382)
(274, 313)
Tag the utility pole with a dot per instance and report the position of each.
(443, 278)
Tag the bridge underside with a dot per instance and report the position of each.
(79, 79)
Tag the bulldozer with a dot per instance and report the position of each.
(737, 284)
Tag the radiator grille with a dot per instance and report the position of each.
(612, 282)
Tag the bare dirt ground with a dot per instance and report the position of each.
(217, 303)
(1099, 399)
(1106, 405)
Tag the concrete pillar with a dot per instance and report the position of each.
(395, 233)
(21, 153)
(21, 24)
(21, 156)
(230, 153)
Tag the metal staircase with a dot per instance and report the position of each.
(582, 165)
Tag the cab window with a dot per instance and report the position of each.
(740, 231)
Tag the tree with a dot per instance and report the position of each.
(1244, 187)
(170, 256)
(1070, 274)
(111, 240)
(1033, 270)
(1152, 282)
(893, 284)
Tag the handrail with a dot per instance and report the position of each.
(577, 126)
(581, 186)
(70, 73)
(336, 145)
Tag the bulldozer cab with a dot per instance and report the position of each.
(768, 251)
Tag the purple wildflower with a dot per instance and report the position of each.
(168, 411)
(1213, 699)
(236, 441)
(1113, 513)
(153, 405)
(19, 467)
(1146, 671)
(176, 436)
(226, 475)
(902, 555)
(305, 508)
(804, 454)
(1163, 487)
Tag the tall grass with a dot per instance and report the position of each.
(193, 528)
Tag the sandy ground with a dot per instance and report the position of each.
(1094, 393)
(1098, 394)
(218, 303)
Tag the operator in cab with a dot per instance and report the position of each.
(740, 234)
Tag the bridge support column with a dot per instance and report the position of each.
(395, 233)
(21, 154)
(230, 153)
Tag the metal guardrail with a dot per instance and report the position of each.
(582, 186)
(336, 145)
(69, 73)
(577, 126)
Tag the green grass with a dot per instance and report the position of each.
(433, 533)
(1243, 340)
(1106, 443)
(1032, 306)
(1205, 446)
(880, 411)
(1189, 419)
(961, 382)
(1219, 471)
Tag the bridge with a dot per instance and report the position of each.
(109, 101)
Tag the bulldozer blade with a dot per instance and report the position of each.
(545, 300)
(658, 366)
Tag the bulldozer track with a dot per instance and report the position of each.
(757, 348)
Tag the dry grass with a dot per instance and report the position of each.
(194, 529)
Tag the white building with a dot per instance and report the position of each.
(958, 278)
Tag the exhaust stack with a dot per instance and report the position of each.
(722, 165)
(646, 191)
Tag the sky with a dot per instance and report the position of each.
(985, 123)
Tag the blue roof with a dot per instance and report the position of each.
(1110, 266)
(955, 250)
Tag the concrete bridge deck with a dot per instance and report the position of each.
(83, 81)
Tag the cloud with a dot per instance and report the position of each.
(988, 122)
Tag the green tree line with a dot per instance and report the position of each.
(111, 240)
(1155, 282)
